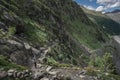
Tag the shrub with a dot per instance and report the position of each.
(103, 63)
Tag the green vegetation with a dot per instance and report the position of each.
(39, 22)
(11, 32)
(52, 62)
(35, 33)
(6, 64)
(91, 36)
(111, 27)
(104, 64)
(42, 22)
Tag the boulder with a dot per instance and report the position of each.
(15, 43)
(10, 72)
(19, 74)
(15, 74)
(45, 78)
(48, 68)
(82, 76)
(35, 51)
(3, 74)
(27, 46)
(53, 72)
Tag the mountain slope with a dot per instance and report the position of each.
(39, 22)
(111, 26)
(115, 15)
(39, 34)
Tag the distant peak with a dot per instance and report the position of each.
(115, 11)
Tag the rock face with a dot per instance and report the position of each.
(16, 74)
(116, 54)
(22, 53)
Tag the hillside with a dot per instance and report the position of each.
(115, 15)
(40, 22)
(38, 34)
(108, 21)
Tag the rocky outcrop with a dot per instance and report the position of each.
(20, 52)
(12, 73)
(116, 54)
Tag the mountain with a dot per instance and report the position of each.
(115, 11)
(114, 15)
(109, 21)
(44, 39)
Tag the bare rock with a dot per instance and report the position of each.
(48, 68)
(19, 74)
(45, 79)
(27, 46)
(10, 72)
(3, 74)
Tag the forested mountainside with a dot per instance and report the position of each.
(49, 33)
(109, 21)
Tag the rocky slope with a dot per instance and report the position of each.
(37, 33)
(40, 22)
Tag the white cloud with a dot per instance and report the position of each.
(100, 8)
(89, 7)
(109, 3)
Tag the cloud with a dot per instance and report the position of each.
(100, 8)
(89, 7)
(109, 3)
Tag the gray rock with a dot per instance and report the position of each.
(39, 65)
(3, 74)
(27, 46)
(15, 43)
(35, 51)
(53, 72)
(19, 74)
(48, 68)
(8, 17)
(45, 79)
(82, 76)
(26, 75)
(10, 72)
(15, 74)
(27, 71)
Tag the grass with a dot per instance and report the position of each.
(6, 64)
(85, 34)
(52, 62)
(11, 32)
(35, 32)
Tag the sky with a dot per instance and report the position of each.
(100, 5)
